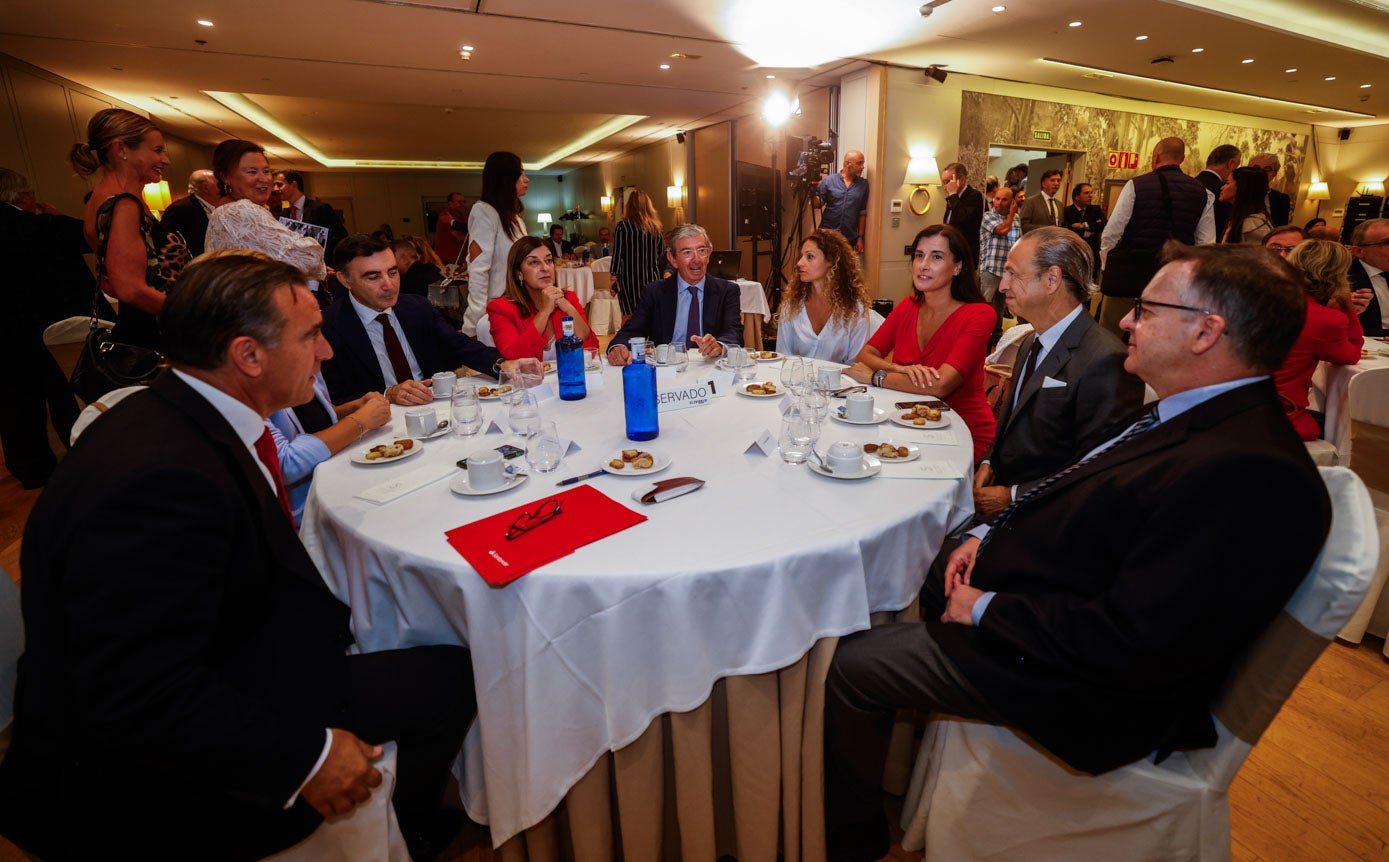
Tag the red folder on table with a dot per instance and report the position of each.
(586, 515)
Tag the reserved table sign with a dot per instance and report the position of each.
(695, 394)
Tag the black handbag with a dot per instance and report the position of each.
(107, 364)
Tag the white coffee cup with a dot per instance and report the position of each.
(844, 457)
(486, 469)
(443, 383)
(420, 421)
(858, 407)
(827, 376)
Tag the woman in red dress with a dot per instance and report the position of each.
(1332, 332)
(527, 319)
(934, 342)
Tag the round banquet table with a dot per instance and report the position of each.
(578, 657)
(579, 279)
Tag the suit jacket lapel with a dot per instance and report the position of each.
(1054, 361)
(278, 532)
(665, 309)
(358, 345)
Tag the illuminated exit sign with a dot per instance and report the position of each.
(1123, 161)
(1039, 135)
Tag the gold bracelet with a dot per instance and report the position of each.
(361, 429)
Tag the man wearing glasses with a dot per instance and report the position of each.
(690, 307)
(1369, 242)
(1104, 609)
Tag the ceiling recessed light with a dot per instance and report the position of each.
(1000, 9)
(1075, 23)
(665, 65)
(771, 77)
(1140, 38)
(1364, 86)
(1329, 78)
(1197, 50)
(1289, 71)
(466, 48)
(204, 22)
(1247, 60)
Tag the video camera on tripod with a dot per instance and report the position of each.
(816, 158)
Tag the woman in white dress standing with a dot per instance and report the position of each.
(243, 175)
(493, 225)
(825, 315)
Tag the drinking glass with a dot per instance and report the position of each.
(799, 432)
(817, 403)
(677, 358)
(793, 375)
(466, 409)
(524, 414)
(545, 450)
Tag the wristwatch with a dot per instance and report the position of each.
(879, 376)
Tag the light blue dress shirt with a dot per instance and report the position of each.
(682, 309)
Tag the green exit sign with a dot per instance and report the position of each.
(1039, 135)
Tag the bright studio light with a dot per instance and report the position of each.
(777, 109)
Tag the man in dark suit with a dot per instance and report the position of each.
(1280, 206)
(185, 687)
(964, 208)
(385, 340)
(290, 185)
(1220, 166)
(188, 215)
(1104, 610)
(557, 244)
(1044, 208)
(691, 306)
(1369, 274)
(1069, 383)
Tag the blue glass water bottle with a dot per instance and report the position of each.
(569, 356)
(639, 394)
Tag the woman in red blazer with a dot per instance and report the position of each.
(1332, 332)
(527, 319)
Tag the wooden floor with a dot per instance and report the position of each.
(1315, 788)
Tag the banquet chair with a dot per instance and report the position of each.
(1323, 453)
(11, 645)
(602, 264)
(1367, 402)
(484, 331)
(65, 339)
(981, 791)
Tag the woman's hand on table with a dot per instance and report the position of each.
(373, 412)
(921, 376)
(859, 372)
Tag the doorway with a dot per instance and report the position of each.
(1070, 163)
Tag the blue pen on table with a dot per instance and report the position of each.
(572, 479)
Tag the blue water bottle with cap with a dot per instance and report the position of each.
(569, 356)
(639, 394)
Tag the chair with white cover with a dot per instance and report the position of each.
(1367, 402)
(484, 331)
(1323, 453)
(11, 645)
(981, 791)
(602, 264)
(65, 340)
(368, 833)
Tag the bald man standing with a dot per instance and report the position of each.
(844, 197)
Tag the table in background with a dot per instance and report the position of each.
(753, 305)
(578, 279)
(1330, 391)
(597, 651)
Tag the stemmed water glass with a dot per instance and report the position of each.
(793, 375)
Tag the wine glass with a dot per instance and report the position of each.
(793, 375)
(817, 402)
(545, 450)
(466, 410)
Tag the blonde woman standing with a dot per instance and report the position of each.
(636, 250)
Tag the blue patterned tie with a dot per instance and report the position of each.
(1144, 423)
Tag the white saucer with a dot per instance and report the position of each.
(459, 484)
(913, 451)
(360, 456)
(448, 426)
(879, 415)
(942, 422)
(439, 396)
(742, 389)
(725, 365)
(870, 467)
(660, 463)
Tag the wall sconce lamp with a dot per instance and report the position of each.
(605, 203)
(156, 196)
(675, 196)
(545, 219)
(1371, 187)
(922, 171)
(1319, 192)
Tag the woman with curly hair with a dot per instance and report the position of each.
(1331, 333)
(825, 315)
(134, 260)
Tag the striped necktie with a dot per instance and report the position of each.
(1144, 423)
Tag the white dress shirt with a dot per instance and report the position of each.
(377, 337)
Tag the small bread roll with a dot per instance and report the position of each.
(645, 462)
(903, 451)
(617, 463)
(770, 387)
(918, 421)
(870, 448)
(373, 455)
(406, 445)
(630, 454)
(932, 413)
(886, 451)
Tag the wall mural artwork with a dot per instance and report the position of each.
(990, 120)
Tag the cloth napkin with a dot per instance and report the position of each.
(403, 484)
(586, 515)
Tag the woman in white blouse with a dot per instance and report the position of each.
(825, 315)
(243, 173)
(493, 225)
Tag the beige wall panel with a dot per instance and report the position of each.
(48, 133)
(710, 191)
(12, 152)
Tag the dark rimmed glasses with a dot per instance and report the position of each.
(1140, 303)
(547, 510)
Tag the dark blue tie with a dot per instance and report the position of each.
(1144, 423)
(692, 327)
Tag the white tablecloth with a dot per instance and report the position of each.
(578, 279)
(754, 299)
(1331, 387)
(576, 658)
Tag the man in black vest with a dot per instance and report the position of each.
(1151, 209)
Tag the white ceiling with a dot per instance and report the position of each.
(374, 80)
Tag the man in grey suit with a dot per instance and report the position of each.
(1044, 209)
(1069, 383)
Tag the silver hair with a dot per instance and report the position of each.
(1064, 249)
(1276, 164)
(196, 182)
(685, 231)
(12, 185)
(1357, 236)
